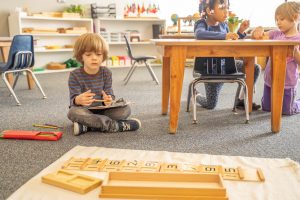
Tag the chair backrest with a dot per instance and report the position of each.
(21, 53)
(215, 66)
(128, 48)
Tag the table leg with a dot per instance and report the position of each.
(165, 84)
(30, 81)
(177, 73)
(10, 78)
(249, 70)
(277, 88)
(4, 55)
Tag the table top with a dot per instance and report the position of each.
(178, 36)
(243, 42)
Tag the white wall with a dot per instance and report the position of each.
(260, 12)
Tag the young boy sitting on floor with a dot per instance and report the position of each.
(93, 82)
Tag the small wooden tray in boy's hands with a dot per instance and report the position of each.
(115, 104)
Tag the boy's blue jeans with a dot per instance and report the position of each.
(103, 120)
(290, 105)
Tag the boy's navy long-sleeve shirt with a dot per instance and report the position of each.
(205, 32)
(207, 65)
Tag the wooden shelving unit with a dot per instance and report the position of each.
(143, 25)
(43, 56)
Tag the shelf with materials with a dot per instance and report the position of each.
(141, 46)
(45, 71)
(50, 42)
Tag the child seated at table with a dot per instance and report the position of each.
(286, 17)
(212, 26)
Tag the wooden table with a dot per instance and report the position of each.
(176, 51)
(178, 36)
(5, 43)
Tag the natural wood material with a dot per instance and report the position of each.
(175, 51)
(72, 181)
(99, 164)
(163, 186)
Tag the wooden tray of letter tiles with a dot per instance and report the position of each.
(72, 181)
(145, 185)
(106, 165)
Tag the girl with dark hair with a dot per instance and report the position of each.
(213, 26)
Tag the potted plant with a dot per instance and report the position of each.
(233, 22)
(75, 9)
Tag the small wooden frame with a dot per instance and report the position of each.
(72, 181)
(93, 164)
(170, 167)
(163, 186)
(131, 166)
(113, 165)
(150, 166)
(74, 163)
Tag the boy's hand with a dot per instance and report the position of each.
(85, 99)
(231, 36)
(258, 33)
(107, 98)
(244, 26)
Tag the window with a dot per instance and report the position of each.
(260, 13)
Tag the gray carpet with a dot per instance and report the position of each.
(219, 131)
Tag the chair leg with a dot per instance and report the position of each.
(151, 72)
(131, 68)
(10, 88)
(130, 73)
(246, 102)
(194, 96)
(16, 80)
(237, 96)
(189, 97)
(37, 82)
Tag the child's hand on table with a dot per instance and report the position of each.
(232, 36)
(258, 33)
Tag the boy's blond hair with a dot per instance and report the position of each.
(90, 42)
(288, 10)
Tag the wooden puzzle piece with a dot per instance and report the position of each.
(131, 166)
(72, 181)
(93, 164)
(74, 163)
(170, 167)
(190, 168)
(112, 165)
(150, 166)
